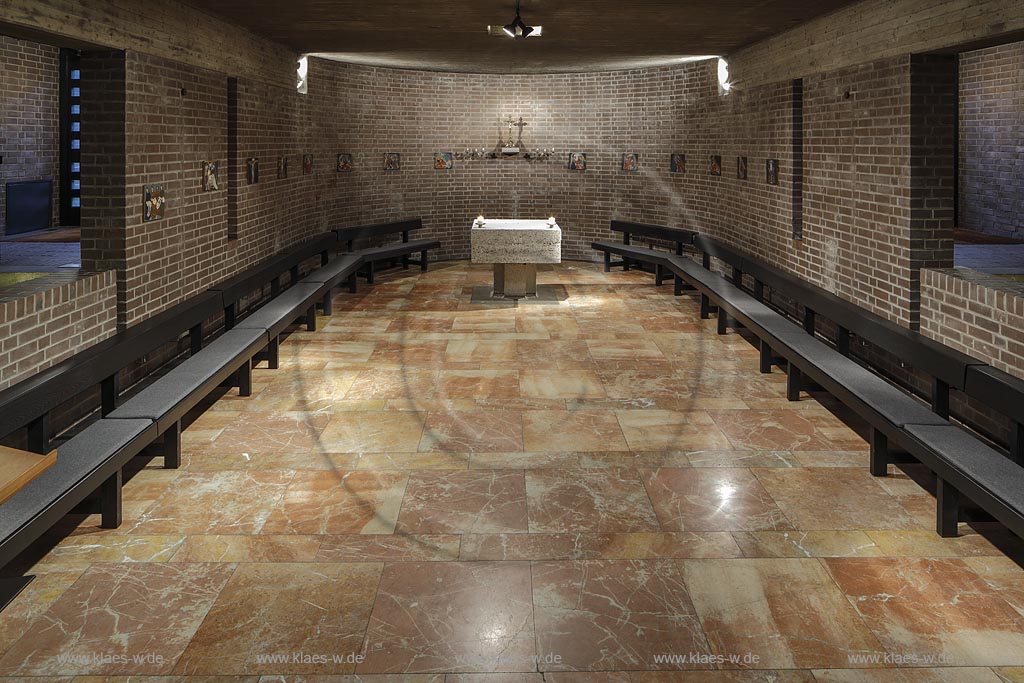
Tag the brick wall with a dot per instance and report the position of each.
(29, 121)
(981, 315)
(39, 330)
(991, 128)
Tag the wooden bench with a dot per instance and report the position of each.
(964, 465)
(396, 252)
(628, 256)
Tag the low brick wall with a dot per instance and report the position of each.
(42, 328)
(979, 314)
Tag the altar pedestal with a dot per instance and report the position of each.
(515, 247)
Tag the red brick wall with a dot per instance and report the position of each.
(29, 121)
(991, 128)
(981, 315)
(39, 330)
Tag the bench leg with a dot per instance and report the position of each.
(327, 303)
(108, 395)
(110, 501)
(947, 509)
(405, 262)
(353, 284)
(274, 353)
(766, 358)
(878, 460)
(658, 279)
(195, 339)
(723, 321)
(172, 447)
(244, 379)
(229, 317)
(705, 307)
(369, 273)
(423, 260)
(794, 382)
(1017, 443)
(607, 261)
(275, 286)
(11, 587)
(678, 286)
(311, 319)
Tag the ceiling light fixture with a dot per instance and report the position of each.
(518, 28)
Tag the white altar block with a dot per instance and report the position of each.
(515, 247)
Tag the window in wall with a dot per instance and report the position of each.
(71, 138)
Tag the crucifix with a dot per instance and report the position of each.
(511, 122)
(520, 125)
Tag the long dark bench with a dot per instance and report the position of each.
(92, 460)
(633, 254)
(396, 252)
(964, 465)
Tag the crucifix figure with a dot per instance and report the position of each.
(511, 122)
(520, 125)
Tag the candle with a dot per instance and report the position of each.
(551, 222)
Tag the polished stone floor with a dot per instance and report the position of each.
(595, 489)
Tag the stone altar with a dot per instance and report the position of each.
(515, 247)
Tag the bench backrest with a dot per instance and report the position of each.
(913, 348)
(234, 288)
(1000, 390)
(678, 235)
(379, 230)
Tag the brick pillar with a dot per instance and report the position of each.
(933, 126)
(104, 198)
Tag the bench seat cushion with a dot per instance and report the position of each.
(168, 398)
(83, 463)
(335, 271)
(399, 249)
(989, 469)
(882, 397)
(279, 313)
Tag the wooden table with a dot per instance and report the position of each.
(18, 468)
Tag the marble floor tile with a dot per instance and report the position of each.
(119, 619)
(937, 608)
(712, 499)
(654, 430)
(789, 430)
(372, 432)
(786, 612)
(389, 548)
(485, 384)
(606, 615)
(596, 546)
(236, 548)
(32, 602)
(304, 614)
(214, 503)
(472, 431)
(452, 616)
(572, 430)
(464, 502)
(843, 499)
(272, 433)
(569, 384)
(831, 543)
(359, 502)
(605, 500)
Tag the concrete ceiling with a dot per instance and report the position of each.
(579, 35)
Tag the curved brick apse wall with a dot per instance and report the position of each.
(650, 112)
(868, 212)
